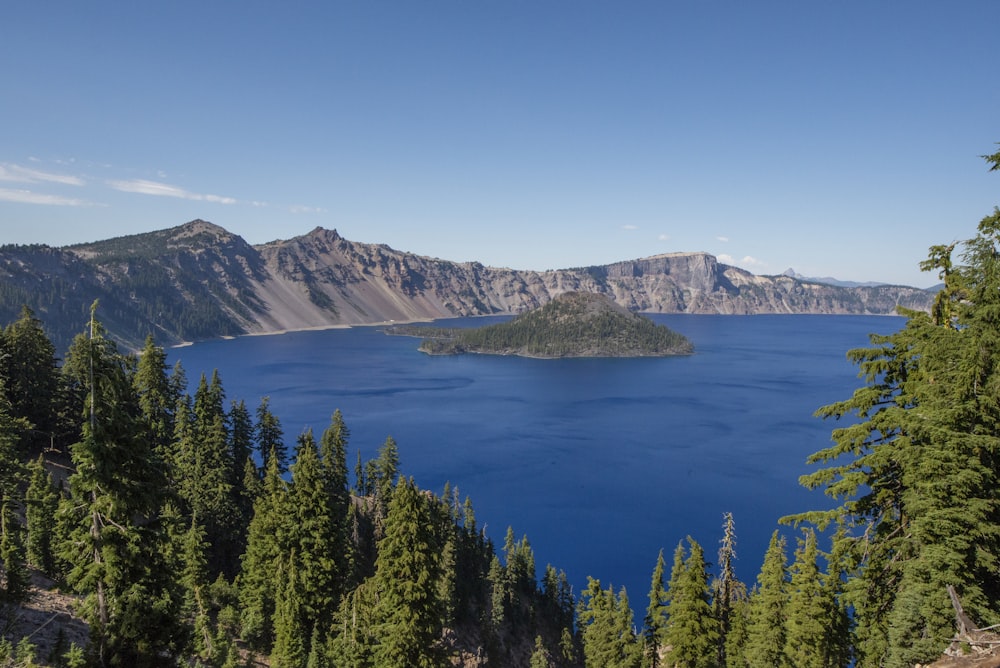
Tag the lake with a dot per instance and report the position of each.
(600, 462)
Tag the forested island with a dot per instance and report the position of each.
(574, 324)
(161, 526)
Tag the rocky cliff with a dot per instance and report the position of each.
(198, 281)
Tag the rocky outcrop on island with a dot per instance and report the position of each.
(198, 281)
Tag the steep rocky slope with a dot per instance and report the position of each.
(198, 281)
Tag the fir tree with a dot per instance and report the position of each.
(728, 592)
(691, 635)
(313, 535)
(654, 622)
(14, 579)
(289, 649)
(269, 437)
(808, 610)
(917, 468)
(765, 644)
(266, 541)
(408, 618)
(31, 379)
(116, 546)
(333, 463)
(41, 502)
(156, 397)
(606, 629)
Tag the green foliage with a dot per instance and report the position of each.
(809, 609)
(408, 615)
(116, 545)
(571, 325)
(766, 635)
(655, 620)
(31, 380)
(917, 471)
(691, 634)
(606, 628)
(265, 543)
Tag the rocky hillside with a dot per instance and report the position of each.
(198, 281)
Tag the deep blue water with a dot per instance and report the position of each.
(600, 462)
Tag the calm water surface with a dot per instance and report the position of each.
(600, 462)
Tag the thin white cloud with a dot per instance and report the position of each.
(298, 208)
(747, 262)
(630, 228)
(29, 197)
(144, 187)
(17, 174)
(723, 239)
(664, 237)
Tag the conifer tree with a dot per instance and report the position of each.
(540, 657)
(728, 592)
(333, 463)
(207, 483)
(270, 436)
(266, 542)
(408, 618)
(606, 629)
(765, 644)
(290, 650)
(691, 634)
(244, 475)
(14, 578)
(31, 378)
(917, 468)
(654, 622)
(117, 544)
(41, 502)
(157, 397)
(808, 610)
(312, 535)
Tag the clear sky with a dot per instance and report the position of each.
(838, 138)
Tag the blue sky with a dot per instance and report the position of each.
(840, 139)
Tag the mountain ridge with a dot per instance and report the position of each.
(198, 281)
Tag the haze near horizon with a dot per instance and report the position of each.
(840, 140)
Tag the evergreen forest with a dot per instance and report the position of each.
(191, 530)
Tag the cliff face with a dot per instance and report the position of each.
(198, 281)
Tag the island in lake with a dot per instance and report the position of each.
(574, 324)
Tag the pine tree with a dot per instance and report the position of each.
(765, 644)
(157, 398)
(14, 578)
(605, 622)
(808, 610)
(333, 462)
(206, 478)
(655, 620)
(691, 635)
(917, 468)
(244, 476)
(728, 591)
(313, 535)
(41, 502)
(31, 379)
(116, 546)
(289, 649)
(540, 657)
(269, 437)
(266, 542)
(408, 618)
